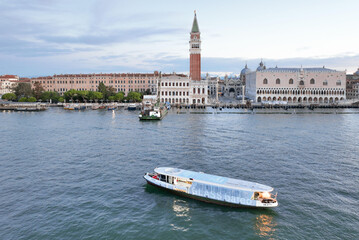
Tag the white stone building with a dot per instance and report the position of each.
(180, 89)
(296, 85)
(7, 83)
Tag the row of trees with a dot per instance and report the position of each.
(24, 93)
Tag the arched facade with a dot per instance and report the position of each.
(296, 85)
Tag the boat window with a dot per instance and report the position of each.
(163, 178)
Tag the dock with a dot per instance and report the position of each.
(21, 106)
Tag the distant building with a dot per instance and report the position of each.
(7, 83)
(181, 89)
(213, 86)
(231, 86)
(352, 85)
(296, 85)
(121, 82)
(244, 72)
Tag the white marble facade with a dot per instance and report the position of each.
(180, 89)
(296, 85)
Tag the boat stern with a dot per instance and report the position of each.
(266, 200)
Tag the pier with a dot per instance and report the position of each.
(21, 106)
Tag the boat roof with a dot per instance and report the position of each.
(214, 179)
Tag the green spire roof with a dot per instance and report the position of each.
(195, 27)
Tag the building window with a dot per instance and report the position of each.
(312, 81)
(291, 81)
(339, 83)
(325, 83)
(277, 81)
(301, 83)
(265, 81)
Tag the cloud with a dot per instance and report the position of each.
(114, 36)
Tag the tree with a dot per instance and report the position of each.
(70, 95)
(148, 92)
(23, 99)
(31, 99)
(82, 95)
(91, 95)
(102, 88)
(106, 91)
(119, 97)
(111, 91)
(111, 98)
(49, 95)
(98, 96)
(61, 99)
(23, 90)
(134, 96)
(9, 96)
(38, 90)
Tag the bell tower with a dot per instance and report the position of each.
(195, 51)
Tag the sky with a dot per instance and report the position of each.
(46, 37)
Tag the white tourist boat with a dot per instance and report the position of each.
(212, 188)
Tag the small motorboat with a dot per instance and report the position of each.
(112, 108)
(132, 106)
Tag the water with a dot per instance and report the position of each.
(78, 175)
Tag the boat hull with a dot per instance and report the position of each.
(153, 118)
(149, 118)
(203, 199)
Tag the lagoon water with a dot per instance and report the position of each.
(78, 175)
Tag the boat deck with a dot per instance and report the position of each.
(214, 179)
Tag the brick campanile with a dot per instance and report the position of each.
(195, 51)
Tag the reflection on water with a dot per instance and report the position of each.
(181, 210)
(113, 122)
(265, 225)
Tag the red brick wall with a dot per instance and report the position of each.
(195, 66)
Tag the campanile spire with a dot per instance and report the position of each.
(195, 50)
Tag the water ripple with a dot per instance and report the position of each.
(78, 175)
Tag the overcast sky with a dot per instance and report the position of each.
(46, 37)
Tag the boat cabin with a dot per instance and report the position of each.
(214, 187)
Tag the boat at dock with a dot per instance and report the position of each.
(213, 189)
(157, 113)
(132, 106)
(111, 108)
(152, 109)
(74, 107)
